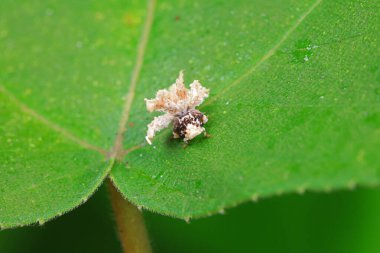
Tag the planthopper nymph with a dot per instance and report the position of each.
(178, 103)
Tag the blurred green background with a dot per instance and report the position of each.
(343, 221)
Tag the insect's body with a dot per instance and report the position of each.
(179, 104)
(189, 124)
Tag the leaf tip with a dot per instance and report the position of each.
(187, 220)
(83, 200)
(280, 192)
(41, 222)
(301, 190)
(351, 184)
(328, 189)
(255, 197)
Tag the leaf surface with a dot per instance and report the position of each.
(64, 66)
(294, 103)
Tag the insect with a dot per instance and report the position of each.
(178, 103)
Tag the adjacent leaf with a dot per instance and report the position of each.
(89, 228)
(64, 68)
(294, 103)
(345, 221)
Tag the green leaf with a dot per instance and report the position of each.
(64, 66)
(294, 103)
(42, 173)
(293, 106)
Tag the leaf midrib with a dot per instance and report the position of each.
(117, 150)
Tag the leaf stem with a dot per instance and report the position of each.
(130, 223)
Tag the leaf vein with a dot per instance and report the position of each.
(64, 132)
(117, 150)
(269, 54)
